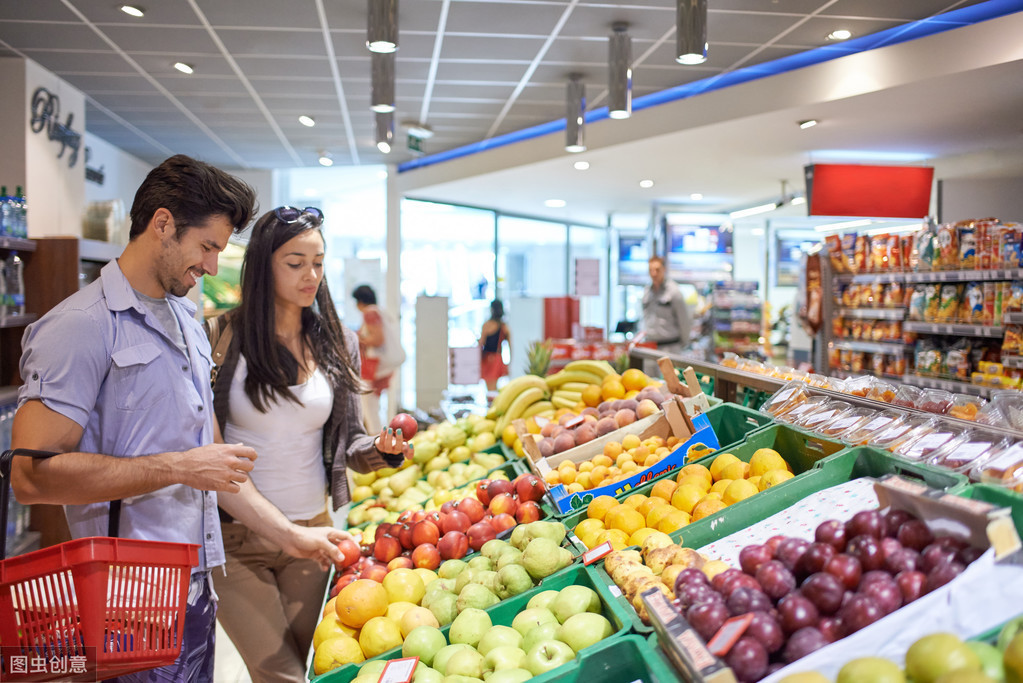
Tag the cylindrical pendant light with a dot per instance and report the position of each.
(385, 131)
(575, 114)
(691, 32)
(382, 81)
(620, 73)
(382, 27)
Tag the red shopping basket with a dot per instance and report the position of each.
(112, 605)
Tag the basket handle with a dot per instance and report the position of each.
(6, 460)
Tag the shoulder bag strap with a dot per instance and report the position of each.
(220, 338)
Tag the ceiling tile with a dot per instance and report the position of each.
(815, 31)
(61, 62)
(802, 7)
(412, 16)
(580, 51)
(290, 14)
(903, 10)
(130, 83)
(191, 85)
(411, 46)
(22, 35)
(496, 47)
(648, 21)
(259, 41)
(255, 67)
(180, 41)
(104, 14)
(523, 19)
(465, 70)
(739, 28)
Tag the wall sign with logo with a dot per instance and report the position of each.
(45, 110)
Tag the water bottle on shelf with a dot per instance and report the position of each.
(14, 277)
(5, 212)
(21, 212)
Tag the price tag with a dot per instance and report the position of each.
(1006, 460)
(966, 453)
(820, 417)
(930, 442)
(877, 423)
(846, 423)
(594, 554)
(399, 670)
(615, 590)
(729, 632)
(783, 395)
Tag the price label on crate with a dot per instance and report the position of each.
(594, 554)
(399, 670)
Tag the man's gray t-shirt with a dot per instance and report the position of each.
(162, 310)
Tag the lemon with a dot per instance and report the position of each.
(735, 470)
(721, 462)
(774, 477)
(686, 496)
(764, 460)
(740, 489)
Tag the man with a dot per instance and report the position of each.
(117, 380)
(665, 313)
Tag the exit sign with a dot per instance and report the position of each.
(415, 144)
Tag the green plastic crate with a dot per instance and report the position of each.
(504, 612)
(732, 423)
(866, 461)
(631, 658)
(999, 496)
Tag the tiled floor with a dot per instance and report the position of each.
(229, 665)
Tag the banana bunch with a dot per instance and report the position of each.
(521, 398)
(567, 385)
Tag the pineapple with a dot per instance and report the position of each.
(538, 358)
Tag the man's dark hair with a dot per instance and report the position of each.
(365, 295)
(272, 369)
(193, 192)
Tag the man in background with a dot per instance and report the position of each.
(666, 319)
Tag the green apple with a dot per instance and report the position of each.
(465, 662)
(450, 569)
(990, 658)
(374, 667)
(542, 599)
(440, 660)
(806, 677)
(425, 674)
(531, 618)
(503, 657)
(548, 655)
(444, 607)
(498, 636)
(423, 642)
(935, 654)
(510, 676)
(548, 631)
(469, 626)
(574, 600)
(584, 629)
(512, 580)
(456, 678)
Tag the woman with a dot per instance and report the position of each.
(492, 337)
(288, 385)
(371, 344)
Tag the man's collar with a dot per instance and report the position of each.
(120, 296)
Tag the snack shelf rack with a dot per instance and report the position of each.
(871, 347)
(932, 276)
(1012, 361)
(872, 313)
(953, 329)
(947, 385)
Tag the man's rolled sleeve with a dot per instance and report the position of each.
(63, 363)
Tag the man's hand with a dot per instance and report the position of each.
(316, 543)
(216, 467)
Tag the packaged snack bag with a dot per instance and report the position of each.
(948, 248)
(835, 255)
(906, 246)
(930, 359)
(925, 251)
(1015, 299)
(849, 295)
(849, 250)
(957, 360)
(838, 327)
(971, 308)
(859, 361)
(856, 329)
(999, 302)
(834, 359)
(879, 331)
(988, 315)
(948, 306)
(917, 302)
(894, 295)
(932, 295)
(861, 254)
(1012, 341)
(896, 365)
(1011, 248)
(894, 253)
(879, 253)
(967, 234)
(877, 364)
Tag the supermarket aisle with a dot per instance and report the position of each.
(229, 667)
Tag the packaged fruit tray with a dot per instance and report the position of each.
(504, 613)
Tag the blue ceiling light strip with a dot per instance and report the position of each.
(992, 9)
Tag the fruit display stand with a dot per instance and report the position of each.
(629, 658)
(504, 613)
(732, 423)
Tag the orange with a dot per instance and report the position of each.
(656, 514)
(575, 487)
(360, 601)
(630, 467)
(623, 458)
(330, 627)
(416, 616)
(706, 508)
(698, 469)
(720, 463)
(591, 396)
(552, 478)
(648, 504)
(694, 480)
(404, 585)
(584, 480)
(585, 466)
(740, 489)
(600, 506)
(587, 531)
(379, 635)
(396, 610)
(631, 394)
(774, 477)
(509, 435)
(597, 475)
(640, 452)
(764, 460)
(639, 536)
(735, 470)
(335, 652)
(612, 390)
(329, 607)
(519, 449)
(663, 489)
(634, 379)
(625, 519)
(531, 426)
(686, 497)
(618, 538)
(654, 458)
(720, 485)
(611, 377)
(673, 521)
(567, 475)
(635, 500)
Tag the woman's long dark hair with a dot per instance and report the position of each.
(272, 369)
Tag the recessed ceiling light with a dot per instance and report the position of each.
(307, 121)
(581, 165)
(646, 183)
(840, 34)
(809, 123)
(184, 68)
(696, 196)
(133, 10)
(326, 159)
(384, 147)
(554, 203)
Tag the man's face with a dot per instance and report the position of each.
(182, 261)
(656, 273)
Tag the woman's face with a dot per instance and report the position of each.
(298, 270)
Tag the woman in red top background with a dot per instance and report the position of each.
(493, 336)
(371, 336)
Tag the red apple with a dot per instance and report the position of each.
(433, 516)
(381, 531)
(503, 502)
(481, 491)
(351, 552)
(400, 562)
(425, 531)
(405, 536)
(406, 423)
(527, 512)
(375, 572)
(404, 516)
(447, 506)
(529, 487)
(453, 545)
(418, 516)
(472, 509)
(455, 521)
(502, 521)
(499, 486)
(479, 533)
(426, 556)
(386, 549)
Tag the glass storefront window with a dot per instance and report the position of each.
(531, 258)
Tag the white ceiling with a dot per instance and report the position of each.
(476, 69)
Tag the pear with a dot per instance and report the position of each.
(481, 563)
(445, 608)
(464, 578)
(486, 578)
(542, 557)
(518, 537)
(475, 596)
(512, 580)
(509, 556)
(555, 531)
(404, 479)
(494, 548)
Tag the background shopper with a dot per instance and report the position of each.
(493, 337)
(666, 318)
(288, 387)
(381, 352)
(128, 404)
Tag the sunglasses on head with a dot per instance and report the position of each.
(289, 214)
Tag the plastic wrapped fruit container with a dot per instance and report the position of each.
(862, 433)
(859, 386)
(909, 428)
(907, 396)
(965, 407)
(823, 415)
(730, 360)
(964, 457)
(927, 444)
(882, 391)
(786, 398)
(804, 408)
(846, 421)
(936, 401)
(1005, 409)
(1004, 469)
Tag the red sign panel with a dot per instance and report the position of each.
(881, 191)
